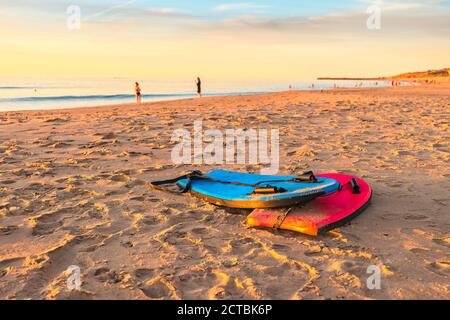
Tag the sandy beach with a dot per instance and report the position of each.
(74, 192)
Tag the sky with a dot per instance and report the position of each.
(222, 40)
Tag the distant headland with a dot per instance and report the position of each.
(439, 73)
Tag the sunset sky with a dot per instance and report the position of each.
(246, 40)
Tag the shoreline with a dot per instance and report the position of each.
(351, 79)
(130, 104)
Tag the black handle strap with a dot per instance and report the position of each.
(281, 217)
(157, 185)
(268, 190)
(307, 177)
(354, 184)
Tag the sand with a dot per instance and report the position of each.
(74, 191)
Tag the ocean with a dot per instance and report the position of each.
(44, 94)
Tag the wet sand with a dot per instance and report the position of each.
(74, 191)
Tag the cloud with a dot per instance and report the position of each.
(167, 12)
(132, 15)
(393, 5)
(239, 6)
(162, 11)
(398, 19)
(110, 9)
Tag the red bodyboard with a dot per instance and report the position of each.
(322, 214)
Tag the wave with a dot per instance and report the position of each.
(26, 87)
(90, 97)
(118, 97)
(15, 88)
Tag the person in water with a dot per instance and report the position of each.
(199, 87)
(138, 93)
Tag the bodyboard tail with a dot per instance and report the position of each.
(323, 213)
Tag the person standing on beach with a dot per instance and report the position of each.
(198, 82)
(138, 93)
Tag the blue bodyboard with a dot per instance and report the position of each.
(237, 190)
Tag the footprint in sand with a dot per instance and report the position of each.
(46, 224)
(243, 246)
(153, 220)
(194, 284)
(135, 183)
(138, 198)
(358, 268)
(143, 274)
(119, 178)
(443, 241)
(389, 216)
(7, 182)
(178, 207)
(279, 270)
(108, 276)
(350, 236)
(416, 217)
(5, 231)
(200, 231)
(156, 289)
(313, 250)
(419, 251)
(441, 268)
(293, 289)
(345, 280)
(107, 136)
